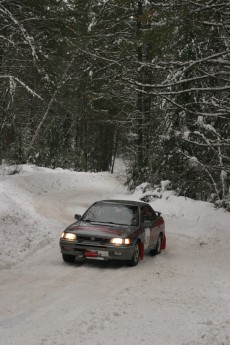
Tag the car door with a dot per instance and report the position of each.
(151, 227)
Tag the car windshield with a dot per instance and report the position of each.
(112, 213)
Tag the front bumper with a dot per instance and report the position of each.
(96, 252)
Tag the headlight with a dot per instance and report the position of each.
(119, 241)
(69, 236)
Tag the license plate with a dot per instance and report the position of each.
(103, 253)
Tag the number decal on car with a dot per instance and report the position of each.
(147, 237)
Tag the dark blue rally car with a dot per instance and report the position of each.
(114, 230)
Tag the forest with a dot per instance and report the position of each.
(85, 81)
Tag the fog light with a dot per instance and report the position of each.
(66, 248)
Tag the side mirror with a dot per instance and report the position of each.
(77, 216)
(158, 213)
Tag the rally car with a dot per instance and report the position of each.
(114, 230)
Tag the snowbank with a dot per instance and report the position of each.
(181, 297)
(23, 229)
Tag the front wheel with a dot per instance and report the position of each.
(157, 249)
(136, 255)
(68, 258)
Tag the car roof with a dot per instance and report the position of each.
(123, 202)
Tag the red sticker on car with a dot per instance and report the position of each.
(90, 254)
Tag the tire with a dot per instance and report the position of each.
(68, 258)
(157, 249)
(136, 255)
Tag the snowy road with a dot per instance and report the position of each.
(181, 297)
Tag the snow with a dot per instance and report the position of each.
(181, 297)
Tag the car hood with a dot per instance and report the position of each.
(98, 229)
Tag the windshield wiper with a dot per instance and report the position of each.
(113, 223)
(91, 221)
(117, 223)
(102, 223)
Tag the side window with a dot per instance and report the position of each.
(148, 214)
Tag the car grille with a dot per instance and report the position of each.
(91, 240)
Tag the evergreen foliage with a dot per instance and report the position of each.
(81, 81)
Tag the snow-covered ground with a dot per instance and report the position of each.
(181, 297)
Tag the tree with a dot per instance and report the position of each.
(82, 80)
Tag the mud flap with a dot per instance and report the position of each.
(163, 243)
(141, 251)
